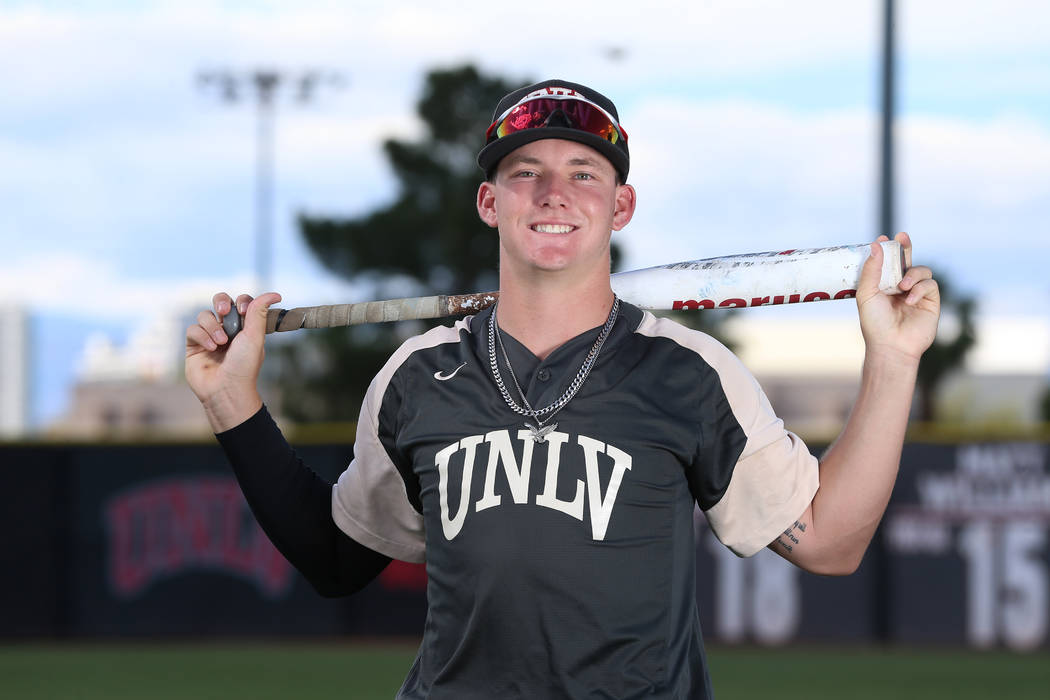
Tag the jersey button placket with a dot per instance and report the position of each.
(543, 375)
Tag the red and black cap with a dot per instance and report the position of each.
(555, 109)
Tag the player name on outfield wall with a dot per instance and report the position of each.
(136, 541)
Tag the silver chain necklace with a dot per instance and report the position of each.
(540, 431)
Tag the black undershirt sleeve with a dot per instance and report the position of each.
(294, 508)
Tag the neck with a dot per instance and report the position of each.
(544, 315)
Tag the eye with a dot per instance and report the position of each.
(583, 176)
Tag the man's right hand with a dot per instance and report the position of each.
(223, 374)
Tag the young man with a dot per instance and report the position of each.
(543, 457)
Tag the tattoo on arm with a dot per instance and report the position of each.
(789, 539)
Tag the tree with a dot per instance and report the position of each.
(429, 240)
(945, 355)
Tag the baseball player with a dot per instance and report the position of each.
(544, 457)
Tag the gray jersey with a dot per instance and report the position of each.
(566, 568)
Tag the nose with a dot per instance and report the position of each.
(552, 193)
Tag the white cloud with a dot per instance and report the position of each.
(997, 164)
(973, 26)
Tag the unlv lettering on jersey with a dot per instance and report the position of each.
(500, 455)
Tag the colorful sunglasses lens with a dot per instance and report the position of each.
(580, 115)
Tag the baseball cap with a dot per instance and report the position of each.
(555, 109)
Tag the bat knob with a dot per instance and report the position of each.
(232, 323)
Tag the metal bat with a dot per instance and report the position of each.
(732, 281)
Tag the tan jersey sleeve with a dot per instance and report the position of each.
(370, 501)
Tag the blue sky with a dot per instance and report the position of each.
(126, 191)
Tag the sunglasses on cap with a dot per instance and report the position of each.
(536, 111)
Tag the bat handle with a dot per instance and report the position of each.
(233, 322)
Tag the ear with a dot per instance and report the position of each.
(487, 204)
(626, 200)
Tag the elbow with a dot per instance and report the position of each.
(844, 564)
(340, 586)
(332, 589)
(839, 569)
(327, 585)
(326, 591)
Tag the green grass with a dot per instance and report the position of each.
(358, 671)
(863, 674)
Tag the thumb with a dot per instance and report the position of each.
(255, 315)
(871, 272)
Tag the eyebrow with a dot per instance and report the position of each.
(584, 161)
(527, 160)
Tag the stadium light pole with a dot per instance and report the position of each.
(886, 167)
(879, 565)
(262, 86)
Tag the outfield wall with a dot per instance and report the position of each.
(157, 541)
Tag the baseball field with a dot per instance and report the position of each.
(358, 671)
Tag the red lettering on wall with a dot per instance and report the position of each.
(733, 304)
(817, 296)
(759, 301)
(167, 528)
(846, 294)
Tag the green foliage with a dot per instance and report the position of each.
(429, 240)
(946, 355)
(431, 233)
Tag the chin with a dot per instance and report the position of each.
(549, 260)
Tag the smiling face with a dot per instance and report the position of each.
(556, 203)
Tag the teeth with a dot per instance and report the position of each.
(551, 228)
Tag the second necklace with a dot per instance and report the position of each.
(540, 431)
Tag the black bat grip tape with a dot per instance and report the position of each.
(233, 322)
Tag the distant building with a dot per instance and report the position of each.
(135, 390)
(810, 370)
(124, 408)
(809, 367)
(14, 371)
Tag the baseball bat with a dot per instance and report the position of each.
(732, 281)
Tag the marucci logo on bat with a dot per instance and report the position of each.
(737, 303)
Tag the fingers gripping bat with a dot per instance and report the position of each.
(733, 281)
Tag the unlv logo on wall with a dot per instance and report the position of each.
(188, 525)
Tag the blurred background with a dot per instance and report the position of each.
(154, 153)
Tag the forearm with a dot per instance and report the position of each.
(858, 472)
(293, 506)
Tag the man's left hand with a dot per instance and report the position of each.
(904, 323)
